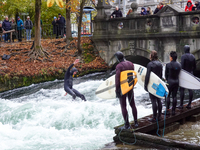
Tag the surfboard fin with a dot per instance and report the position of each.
(160, 90)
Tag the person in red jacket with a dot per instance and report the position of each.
(189, 6)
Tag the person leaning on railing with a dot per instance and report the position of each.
(6, 26)
(196, 6)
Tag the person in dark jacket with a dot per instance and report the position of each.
(68, 82)
(156, 67)
(20, 27)
(28, 26)
(55, 27)
(196, 6)
(6, 26)
(61, 24)
(171, 75)
(157, 9)
(143, 11)
(122, 66)
(188, 63)
(117, 13)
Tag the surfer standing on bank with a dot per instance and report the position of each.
(171, 75)
(188, 63)
(68, 82)
(156, 67)
(122, 66)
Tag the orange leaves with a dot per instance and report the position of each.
(50, 3)
(58, 2)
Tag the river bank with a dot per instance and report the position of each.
(18, 71)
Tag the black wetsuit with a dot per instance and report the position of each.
(68, 83)
(172, 71)
(156, 67)
(188, 63)
(122, 66)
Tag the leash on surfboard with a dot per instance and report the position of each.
(164, 120)
(130, 127)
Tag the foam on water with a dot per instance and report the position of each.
(47, 119)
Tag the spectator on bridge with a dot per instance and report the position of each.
(189, 6)
(149, 11)
(159, 7)
(129, 11)
(117, 13)
(61, 24)
(6, 26)
(19, 28)
(1, 31)
(196, 6)
(143, 11)
(14, 27)
(28, 26)
(55, 27)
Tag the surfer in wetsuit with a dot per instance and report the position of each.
(68, 82)
(171, 75)
(122, 66)
(188, 63)
(156, 67)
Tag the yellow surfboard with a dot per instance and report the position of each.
(128, 79)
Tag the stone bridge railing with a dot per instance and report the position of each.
(170, 29)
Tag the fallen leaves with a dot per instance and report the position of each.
(16, 65)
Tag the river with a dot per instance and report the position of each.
(41, 117)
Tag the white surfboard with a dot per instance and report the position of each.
(156, 86)
(107, 89)
(188, 80)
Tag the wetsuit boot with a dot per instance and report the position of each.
(126, 126)
(189, 104)
(136, 123)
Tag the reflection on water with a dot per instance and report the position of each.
(189, 132)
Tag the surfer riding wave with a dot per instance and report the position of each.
(68, 82)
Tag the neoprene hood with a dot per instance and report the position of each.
(187, 49)
(120, 56)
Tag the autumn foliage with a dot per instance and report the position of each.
(59, 58)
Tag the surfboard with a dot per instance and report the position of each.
(156, 86)
(106, 90)
(188, 80)
(128, 79)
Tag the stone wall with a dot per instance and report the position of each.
(170, 29)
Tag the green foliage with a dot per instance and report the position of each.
(13, 8)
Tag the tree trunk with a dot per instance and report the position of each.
(68, 24)
(37, 39)
(79, 27)
(37, 50)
